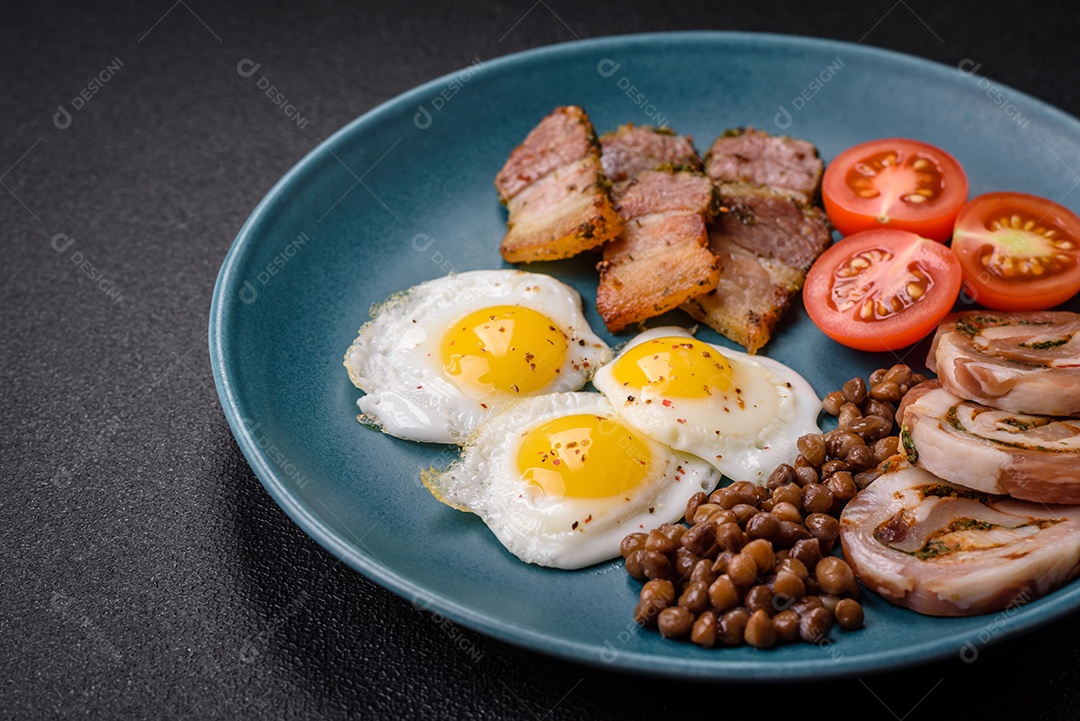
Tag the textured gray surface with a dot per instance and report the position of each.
(145, 571)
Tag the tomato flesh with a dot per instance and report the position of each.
(880, 290)
(895, 183)
(1018, 251)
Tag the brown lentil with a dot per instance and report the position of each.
(832, 466)
(854, 391)
(684, 563)
(631, 543)
(814, 625)
(788, 494)
(785, 511)
(808, 551)
(832, 402)
(656, 565)
(742, 570)
(865, 478)
(806, 604)
(721, 562)
(759, 598)
(647, 610)
(849, 614)
(781, 476)
(676, 622)
(786, 624)
(660, 543)
(723, 595)
(788, 587)
(886, 448)
(794, 566)
(812, 448)
(673, 531)
(817, 498)
(660, 589)
(760, 632)
(700, 539)
(886, 391)
(792, 533)
(849, 413)
(703, 572)
(843, 487)
(823, 527)
(705, 630)
(765, 526)
(696, 597)
(762, 553)
(834, 575)
(635, 564)
(743, 511)
(730, 537)
(693, 504)
(806, 476)
(859, 458)
(733, 625)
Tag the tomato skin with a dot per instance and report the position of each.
(988, 285)
(944, 180)
(895, 261)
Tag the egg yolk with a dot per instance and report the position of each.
(503, 349)
(674, 367)
(583, 456)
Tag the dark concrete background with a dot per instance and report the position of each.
(145, 571)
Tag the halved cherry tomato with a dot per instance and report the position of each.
(1018, 251)
(895, 183)
(881, 289)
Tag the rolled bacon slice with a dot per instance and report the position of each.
(944, 550)
(661, 258)
(633, 149)
(1019, 362)
(745, 155)
(555, 191)
(1036, 458)
(765, 241)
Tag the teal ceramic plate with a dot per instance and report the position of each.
(404, 194)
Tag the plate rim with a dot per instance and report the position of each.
(224, 295)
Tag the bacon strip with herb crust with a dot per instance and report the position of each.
(555, 191)
(943, 550)
(633, 149)
(765, 242)
(745, 155)
(661, 259)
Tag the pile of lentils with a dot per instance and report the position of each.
(754, 564)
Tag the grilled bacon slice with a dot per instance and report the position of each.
(661, 258)
(745, 155)
(1035, 458)
(944, 550)
(633, 149)
(1019, 362)
(765, 241)
(555, 191)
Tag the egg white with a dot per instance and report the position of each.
(567, 532)
(396, 361)
(745, 436)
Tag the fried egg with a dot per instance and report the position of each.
(743, 414)
(560, 480)
(437, 358)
